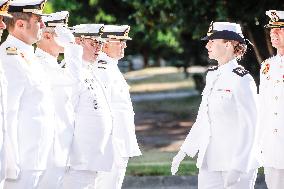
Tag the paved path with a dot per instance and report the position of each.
(162, 95)
(171, 182)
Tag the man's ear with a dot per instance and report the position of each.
(47, 36)
(20, 24)
(228, 44)
(78, 40)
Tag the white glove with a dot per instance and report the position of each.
(232, 178)
(176, 161)
(64, 36)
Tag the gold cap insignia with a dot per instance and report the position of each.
(42, 5)
(274, 17)
(5, 7)
(210, 29)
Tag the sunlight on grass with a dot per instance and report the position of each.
(161, 87)
(158, 163)
(150, 72)
(158, 80)
(181, 107)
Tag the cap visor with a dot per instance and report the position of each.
(6, 15)
(206, 38)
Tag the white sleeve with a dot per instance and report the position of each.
(198, 137)
(16, 85)
(246, 100)
(73, 56)
(262, 105)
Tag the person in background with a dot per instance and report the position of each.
(123, 134)
(271, 94)
(91, 149)
(58, 39)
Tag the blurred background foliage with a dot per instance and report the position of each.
(171, 29)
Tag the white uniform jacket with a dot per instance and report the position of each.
(62, 81)
(124, 136)
(224, 131)
(8, 164)
(92, 144)
(29, 105)
(271, 101)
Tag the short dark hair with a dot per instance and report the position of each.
(10, 22)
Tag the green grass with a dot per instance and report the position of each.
(180, 107)
(164, 79)
(154, 163)
(150, 72)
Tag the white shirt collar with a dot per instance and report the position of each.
(281, 58)
(105, 57)
(20, 45)
(42, 53)
(228, 66)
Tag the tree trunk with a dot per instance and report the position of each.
(268, 43)
(255, 49)
(146, 58)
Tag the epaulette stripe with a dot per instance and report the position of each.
(240, 71)
(101, 67)
(213, 68)
(102, 62)
(12, 51)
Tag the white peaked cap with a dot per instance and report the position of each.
(88, 29)
(119, 32)
(225, 30)
(57, 18)
(276, 19)
(28, 6)
(229, 26)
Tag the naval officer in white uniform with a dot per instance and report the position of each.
(58, 39)
(124, 137)
(92, 149)
(7, 155)
(271, 92)
(30, 112)
(224, 134)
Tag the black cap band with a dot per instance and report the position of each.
(225, 34)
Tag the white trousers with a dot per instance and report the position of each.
(79, 179)
(2, 184)
(27, 180)
(274, 178)
(215, 180)
(114, 178)
(52, 178)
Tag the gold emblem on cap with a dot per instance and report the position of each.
(42, 5)
(5, 7)
(274, 17)
(210, 29)
(101, 30)
(126, 33)
(66, 19)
